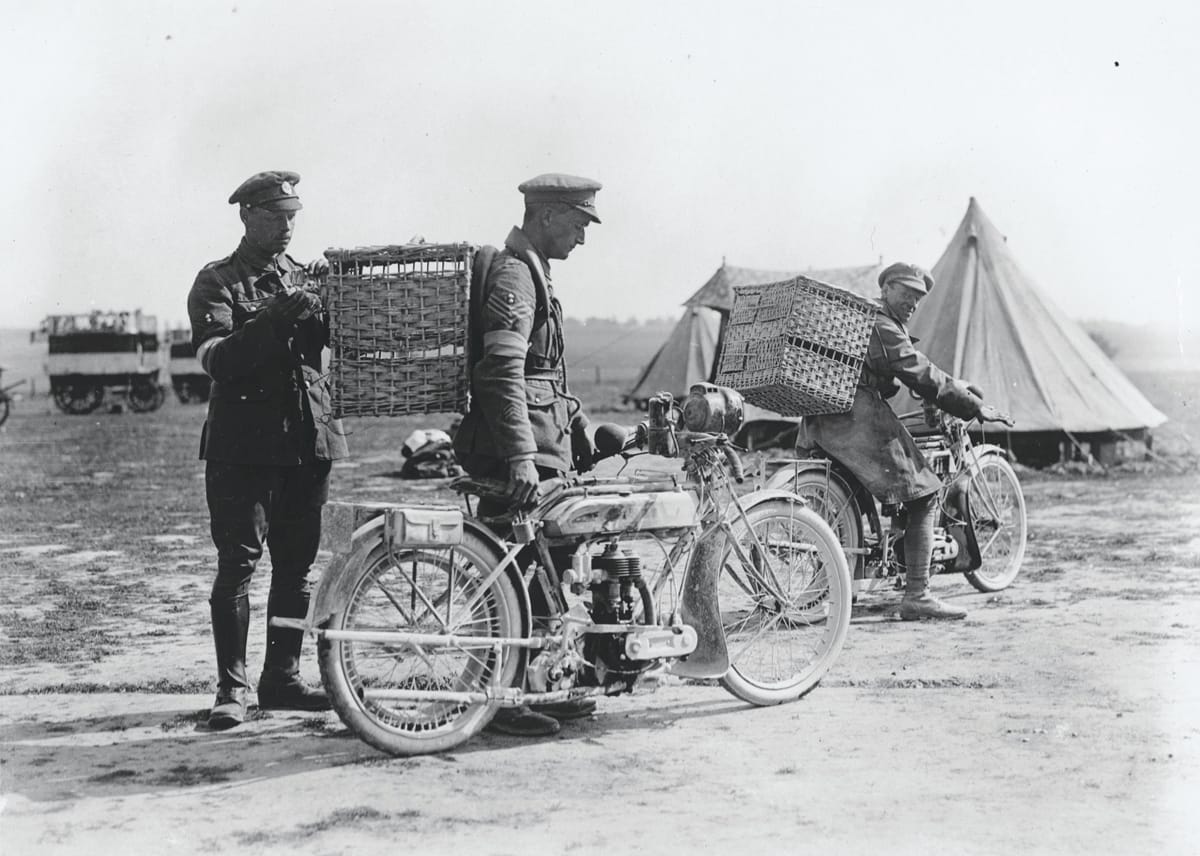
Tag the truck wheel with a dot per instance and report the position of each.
(78, 398)
(145, 396)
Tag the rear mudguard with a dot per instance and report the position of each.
(699, 606)
(337, 583)
(836, 472)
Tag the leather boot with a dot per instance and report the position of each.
(575, 708)
(522, 722)
(280, 686)
(230, 623)
(229, 708)
(282, 690)
(914, 607)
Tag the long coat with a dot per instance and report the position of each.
(869, 439)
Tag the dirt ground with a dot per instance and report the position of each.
(1062, 716)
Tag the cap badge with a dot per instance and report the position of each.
(286, 187)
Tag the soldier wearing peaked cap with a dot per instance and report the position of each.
(268, 440)
(872, 443)
(524, 425)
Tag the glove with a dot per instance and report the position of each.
(987, 413)
(283, 311)
(583, 453)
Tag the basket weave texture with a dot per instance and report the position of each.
(796, 347)
(398, 329)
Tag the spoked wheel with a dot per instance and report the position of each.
(435, 592)
(785, 597)
(77, 398)
(998, 509)
(145, 396)
(827, 495)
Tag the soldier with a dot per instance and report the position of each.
(524, 425)
(872, 443)
(268, 441)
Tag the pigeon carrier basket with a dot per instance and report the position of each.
(398, 329)
(796, 347)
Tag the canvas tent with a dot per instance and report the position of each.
(692, 349)
(986, 321)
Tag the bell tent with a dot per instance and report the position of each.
(987, 322)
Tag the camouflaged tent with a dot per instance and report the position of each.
(988, 322)
(692, 350)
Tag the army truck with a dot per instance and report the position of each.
(101, 355)
(188, 380)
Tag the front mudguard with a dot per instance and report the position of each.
(337, 583)
(699, 604)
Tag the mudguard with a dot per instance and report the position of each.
(336, 584)
(699, 605)
(958, 502)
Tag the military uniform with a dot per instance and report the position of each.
(268, 440)
(521, 408)
(870, 439)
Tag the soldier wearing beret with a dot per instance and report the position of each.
(268, 441)
(524, 425)
(873, 444)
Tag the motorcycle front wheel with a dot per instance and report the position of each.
(998, 509)
(434, 592)
(785, 597)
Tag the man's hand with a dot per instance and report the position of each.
(522, 483)
(317, 268)
(987, 413)
(583, 453)
(284, 310)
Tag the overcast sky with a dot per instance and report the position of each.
(781, 135)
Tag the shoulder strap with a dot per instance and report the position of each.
(481, 266)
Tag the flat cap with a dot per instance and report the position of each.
(903, 273)
(274, 190)
(579, 193)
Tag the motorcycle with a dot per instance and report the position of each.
(981, 529)
(424, 622)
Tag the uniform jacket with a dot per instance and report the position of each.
(520, 408)
(869, 439)
(270, 402)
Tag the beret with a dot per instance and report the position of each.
(274, 190)
(905, 274)
(580, 193)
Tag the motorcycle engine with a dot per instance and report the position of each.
(618, 589)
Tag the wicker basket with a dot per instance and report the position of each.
(398, 329)
(796, 347)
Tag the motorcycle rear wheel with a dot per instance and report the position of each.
(395, 592)
(829, 496)
(998, 509)
(786, 610)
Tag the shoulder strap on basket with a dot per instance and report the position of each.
(481, 265)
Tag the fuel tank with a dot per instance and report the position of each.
(606, 513)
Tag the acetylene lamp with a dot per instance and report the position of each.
(713, 409)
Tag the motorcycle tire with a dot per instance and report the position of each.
(421, 591)
(830, 497)
(786, 610)
(1001, 528)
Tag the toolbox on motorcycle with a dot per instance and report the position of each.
(796, 347)
(398, 328)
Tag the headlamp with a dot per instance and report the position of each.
(713, 409)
